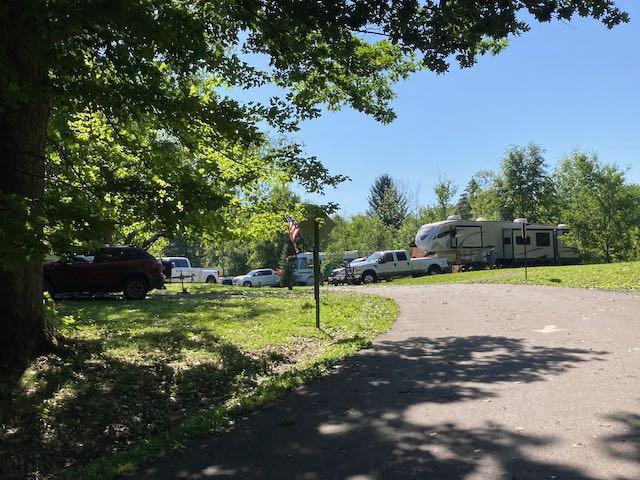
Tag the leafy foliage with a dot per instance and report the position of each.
(602, 209)
(524, 188)
(444, 189)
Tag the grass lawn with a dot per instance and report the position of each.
(142, 378)
(611, 276)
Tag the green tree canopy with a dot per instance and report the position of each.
(524, 187)
(445, 190)
(599, 206)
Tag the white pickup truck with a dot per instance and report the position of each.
(182, 271)
(390, 264)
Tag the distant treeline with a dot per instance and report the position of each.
(592, 197)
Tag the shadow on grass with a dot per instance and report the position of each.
(92, 401)
(362, 421)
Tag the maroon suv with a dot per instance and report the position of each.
(130, 270)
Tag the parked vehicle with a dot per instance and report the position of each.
(182, 271)
(469, 242)
(390, 264)
(303, 265)
(338, 276)
(258, 278)
(126, 269)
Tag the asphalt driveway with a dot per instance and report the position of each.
(473, 382)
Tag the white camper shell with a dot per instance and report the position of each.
(467, 242)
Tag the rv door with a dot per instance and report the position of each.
(507, 244)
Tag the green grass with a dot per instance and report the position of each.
(612, 276)
(143, 378)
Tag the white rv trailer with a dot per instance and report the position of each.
(467, 242)
(303, 266)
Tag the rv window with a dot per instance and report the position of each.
(543, 239)
(401, 256)
(444, 233)
(303, 264)
(520, 240)
(506, 241)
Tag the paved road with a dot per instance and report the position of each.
(473, 382)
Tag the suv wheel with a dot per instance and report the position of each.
(211, 279)
(135, 289)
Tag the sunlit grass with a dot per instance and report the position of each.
(609, 276)
(142, 378)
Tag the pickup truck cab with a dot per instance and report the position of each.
(182, 271)
(389, 264)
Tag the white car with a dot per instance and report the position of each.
(182, 271)
(258, 278)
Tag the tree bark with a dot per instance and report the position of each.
(24, 331)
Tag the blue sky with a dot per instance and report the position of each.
(562, 86)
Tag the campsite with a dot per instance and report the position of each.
(320, 240)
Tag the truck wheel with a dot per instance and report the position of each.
(135, 288)
(369, 277)
(211, 279)
(434, 270)
(246, 284)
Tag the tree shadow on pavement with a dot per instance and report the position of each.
(361, 421)
(625, 445)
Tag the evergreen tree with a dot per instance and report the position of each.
(387, 202)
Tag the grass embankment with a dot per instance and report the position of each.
(610, 276)
(142, 378)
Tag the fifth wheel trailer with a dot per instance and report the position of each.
(467, 242)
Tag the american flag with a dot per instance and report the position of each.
(294, 232)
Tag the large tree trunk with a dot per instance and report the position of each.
(24, 331)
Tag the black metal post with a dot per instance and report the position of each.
(316, 269)
(524, 238)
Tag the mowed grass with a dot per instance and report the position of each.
(143, 378)
(608, 276)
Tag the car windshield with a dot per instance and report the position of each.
(252, 272)
(374, 256)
